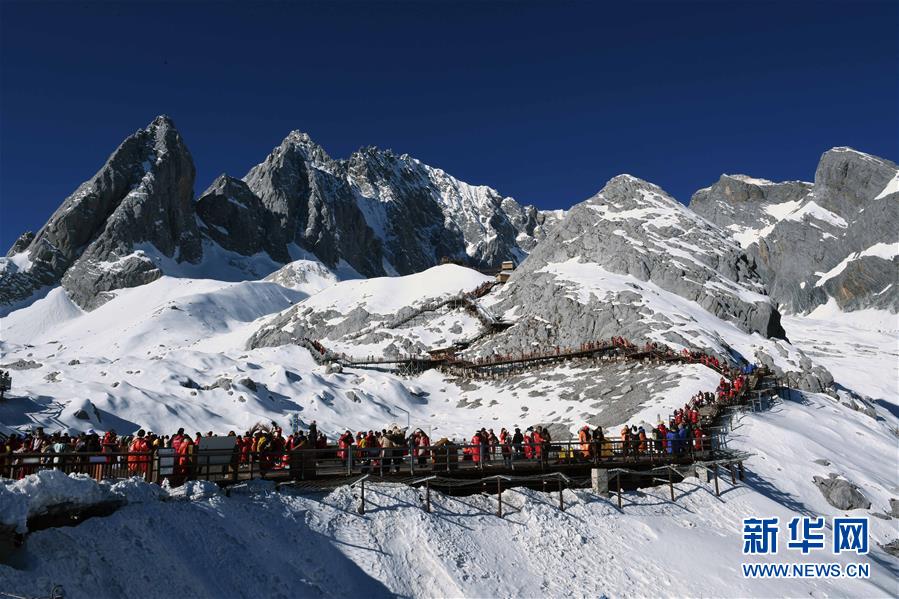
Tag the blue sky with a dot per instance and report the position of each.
(545, 101)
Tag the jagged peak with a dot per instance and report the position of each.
(163, 130)
(297, 136)
(302, 141)
(628, 183)
(223, 182)
(383, 159)
(163, 135)
(380, 155)
(162, 120)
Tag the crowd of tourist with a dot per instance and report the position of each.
(267, 448)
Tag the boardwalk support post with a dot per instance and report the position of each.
(561, 497)
(618, 478)
(717, 492)
(361, 508)
(499, 496)
(427, 483)
(600, 481)
(671, 482)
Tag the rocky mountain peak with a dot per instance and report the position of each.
(626, 191)
(162, 121)
(375, 213)
(236, 219)
(846, 179)
(142, 196)
(387, 213)
(299, 145)
(631, 241)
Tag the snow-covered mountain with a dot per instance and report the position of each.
(633, 261)
(383, 213)
(630, 261)
(376, 213)
(629, 238)
(834, 240)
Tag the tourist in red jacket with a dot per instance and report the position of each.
(476, 448)
(184, 451)
(139, 464)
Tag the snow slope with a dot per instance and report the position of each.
(859, 348)
(387, 295)
(361, 317)
(172, 354)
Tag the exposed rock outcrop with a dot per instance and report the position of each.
(835, 239)
(840, 493)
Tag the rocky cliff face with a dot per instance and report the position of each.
(833, 240)
(748, 207)
(139, 202)
(309, 196)
(387, 214)
(235, 218)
